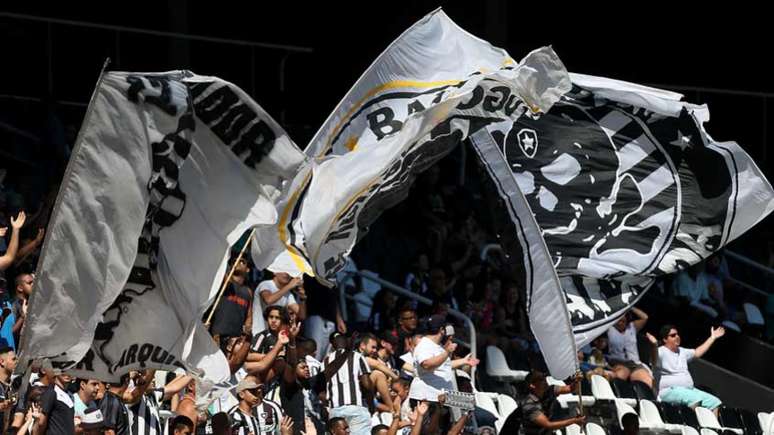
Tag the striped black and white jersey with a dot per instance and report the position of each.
(344, 386)
(144, 415)
(265, 419)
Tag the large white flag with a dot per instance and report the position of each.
(433, 87)
(169, 171)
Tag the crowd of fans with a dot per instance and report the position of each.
(302, 363)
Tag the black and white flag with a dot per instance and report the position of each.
(169, 171)
(625, 185)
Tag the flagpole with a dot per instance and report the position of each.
(228, 278)
(580, 398)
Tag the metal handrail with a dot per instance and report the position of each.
(411, 295)
(754, 264)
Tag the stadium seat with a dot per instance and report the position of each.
(753, 314)
(689, 415)
(572, 429)
(731, 418)
(602, 390)
(731, 325)
(484, 401)
(750, 421)
(706, 431)
(650, 415)
(687, 430)
(497, 366)
(624, 390)
(595, 429)
(506, 405)
(765, 421)
(707, 419)
(643, 391)
(622, 408)
(670, 413)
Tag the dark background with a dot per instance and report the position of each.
(49, 68)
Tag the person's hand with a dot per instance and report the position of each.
(282, 338)
(396, 404)
(422, 408)
(717, 332)
(301, 292)
(294, 330)
(24, 308)
(469, 360)
(296, 282)
(580, 420)
(651, 338)
(35, 411)
(341, 326)
(441, 399)
(450, 347)
(19, 221)
(3, 231)
(286, 426)
(40, 235)
(309, 427)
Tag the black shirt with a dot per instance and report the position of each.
(231, 312)
(58, 407)
(292, 398)
(114, 414)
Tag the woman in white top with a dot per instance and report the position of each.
(623, 354)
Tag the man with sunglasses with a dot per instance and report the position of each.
(254, 414)
(676, 383)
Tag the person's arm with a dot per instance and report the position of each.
(13, 246)
(715, 333)
(434, 362)
(141, 385)
(301, 305)
(421, 410)
(543, 421)
(377, 364)
(289, 374)
(653, 349)
(270, 298)
(266, 361)
(641, 320)
(17, 326)
(247, 328)
(341, 325)
(467, 361)
(175, 386)
(29, 247)
(459, 425)
(569, 388)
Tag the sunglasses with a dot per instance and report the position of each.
(255, 391)
(673, 335)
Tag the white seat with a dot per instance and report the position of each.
(753, 314)
(706, 431)
(622, 408)
(687, 430)
(731, 325)
(554, 382)
(506, 405)
(765, 420)
(485, 402)
(652, 418)
(497, 366)
(602, 390)
(594, 429)
(572, 429)
(707, 419)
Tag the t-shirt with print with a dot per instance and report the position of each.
(231, 312)
(532, 407)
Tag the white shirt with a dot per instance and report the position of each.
(673, 368)
(270, 286)
(428, 384)
(623, 345)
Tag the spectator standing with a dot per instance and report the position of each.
(347, 389)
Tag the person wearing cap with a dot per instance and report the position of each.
(92, 422)
(57, 412)
(254, 414)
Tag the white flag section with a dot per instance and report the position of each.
(169, 171)
(432, 88)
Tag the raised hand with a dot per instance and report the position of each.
(717, 332)
(295, 282)
(295, 329)
(651, 338)
(282, 338)
(286, 426)
(450, 346)
(40, 235)
(422, 408)
(19, 221)
(3, 231)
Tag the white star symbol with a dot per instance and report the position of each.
(528, 142)
(682, 141)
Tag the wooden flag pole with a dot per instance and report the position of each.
(228, 279)
(579, 377)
